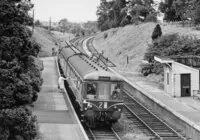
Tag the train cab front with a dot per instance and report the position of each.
(102, 101)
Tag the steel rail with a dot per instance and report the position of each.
(148, 127)
(100, 134)
(178, 135)
(161, 121)
(92, 134)
(118, 137)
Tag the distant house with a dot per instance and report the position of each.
(181, 75)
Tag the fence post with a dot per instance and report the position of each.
(127, 60)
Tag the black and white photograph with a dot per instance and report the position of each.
(99, 70)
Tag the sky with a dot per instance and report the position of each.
(73, 10)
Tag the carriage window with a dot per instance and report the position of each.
(91, 90)
(115, 91)
(104, 90)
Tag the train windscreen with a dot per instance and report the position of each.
(104, 89)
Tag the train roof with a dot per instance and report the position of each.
(86, 68)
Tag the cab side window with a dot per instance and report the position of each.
(91, 90)
(115, 91)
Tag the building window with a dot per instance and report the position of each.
(167, 78)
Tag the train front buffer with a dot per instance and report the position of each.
(102, 110)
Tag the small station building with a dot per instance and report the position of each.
(181, 75)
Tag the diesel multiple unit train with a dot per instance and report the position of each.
(96, 89)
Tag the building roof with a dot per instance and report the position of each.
(191, 61)
(163, 59)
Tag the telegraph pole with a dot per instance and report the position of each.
(33, 26)
(50, 24)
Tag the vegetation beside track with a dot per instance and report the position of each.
(49, 39)
(20, 77)
(132, 42)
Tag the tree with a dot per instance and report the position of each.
(157, 32)
(118, 16)
(103, 12)
(17, 124)
(64, 25)
(140, 9)
(167, 8)
(16, 52)
(20, 77)
(90, 27)
(178, 10)
(170, 45)
(196, 13)
(13, 11)
(38, 23)
(112, 14)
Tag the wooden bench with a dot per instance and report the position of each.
(196, 93)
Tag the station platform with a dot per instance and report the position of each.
(57, 119)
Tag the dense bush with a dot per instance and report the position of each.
(146, 69)
(20, 78)
(125, 22)
(18, 74)
(150, 68)
(157, 32)
(151, 18)
(169, 45)
(196, 13)
(181, 10)
(112, 14)
(105, 35)
(17, 124)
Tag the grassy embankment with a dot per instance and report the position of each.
(48, 40)
(132, 41)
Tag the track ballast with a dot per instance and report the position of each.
(147, 121)
(102, 133)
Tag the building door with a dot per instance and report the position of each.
(185, 85)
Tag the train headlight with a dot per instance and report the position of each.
(86, 108)
(116, 115)
(119, 110)
(115, 107)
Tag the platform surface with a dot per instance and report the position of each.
(55, 116)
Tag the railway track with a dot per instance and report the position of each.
(150, 124)
(78, 42)
(144, 119)
(102, 133)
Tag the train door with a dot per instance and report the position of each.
(185, 85)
